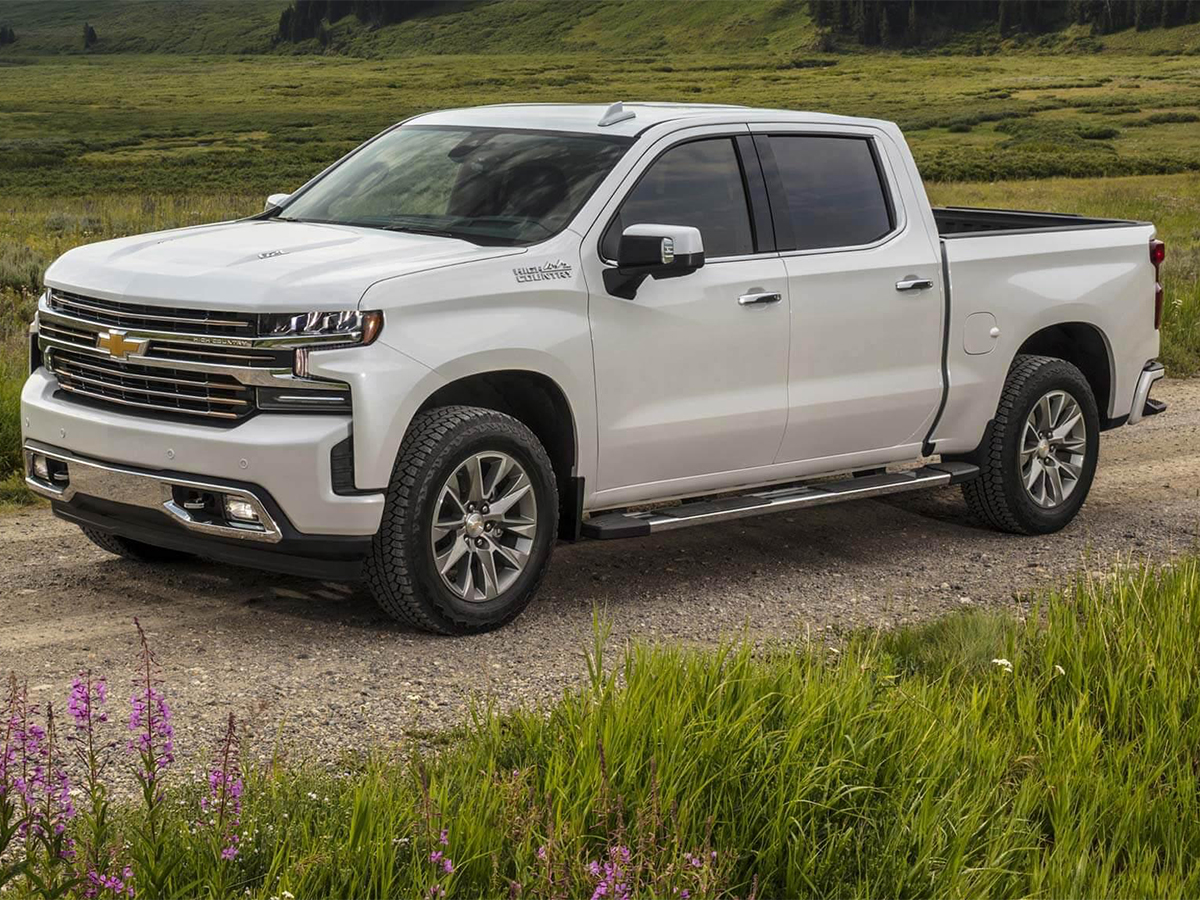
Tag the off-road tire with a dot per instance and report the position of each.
(400, 570)
(131, 549)
(998, 496)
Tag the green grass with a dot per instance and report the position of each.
(911, 763)
(253, 124)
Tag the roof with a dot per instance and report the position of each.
(586, 117)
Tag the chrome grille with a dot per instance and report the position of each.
(119, 314)
(158, 388)
(211, 366)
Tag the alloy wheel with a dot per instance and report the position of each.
(484, 524)
(1053, 448)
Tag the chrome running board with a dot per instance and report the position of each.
(608, 526)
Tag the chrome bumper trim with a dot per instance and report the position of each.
(1153, 372)
(106, 481)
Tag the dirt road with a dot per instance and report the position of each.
(317, 665)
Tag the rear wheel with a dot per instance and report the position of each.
(131, 549)
(469, 522)
(1039, 457)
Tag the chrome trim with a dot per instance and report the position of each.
(759, 298)
(913, 283)
(782, 499)
(105, 481)
(56, 297)
(209, 414)
(257, 376)
(1153, 372)
(286, 342)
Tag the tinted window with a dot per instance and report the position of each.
(833, 190)
(480, 184)
(698, 184)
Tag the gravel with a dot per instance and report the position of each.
(315, 669)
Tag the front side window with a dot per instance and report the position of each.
(699, 184)
(483, 185)
(835, 197)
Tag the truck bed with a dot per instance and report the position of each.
(967, 221)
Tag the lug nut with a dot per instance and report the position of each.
(485, 509)
(480, 542)
(487, 526)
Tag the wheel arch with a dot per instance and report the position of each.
(540, 403)
(1084, 346)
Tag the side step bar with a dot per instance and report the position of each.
(608, 526)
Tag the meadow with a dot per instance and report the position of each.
(981, 755)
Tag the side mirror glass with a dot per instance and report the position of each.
(275, 200)
(656, 251)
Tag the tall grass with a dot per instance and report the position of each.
(978, 756)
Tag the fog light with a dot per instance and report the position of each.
(239, 510)
(41, 467)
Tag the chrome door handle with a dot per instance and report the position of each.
(761, 298)
(913, 283)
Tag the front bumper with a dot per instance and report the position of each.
(282, 457)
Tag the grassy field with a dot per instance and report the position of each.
(979, 756)
(164, 124)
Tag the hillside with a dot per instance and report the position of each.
(778, 28)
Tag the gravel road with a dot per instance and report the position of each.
(317, 665)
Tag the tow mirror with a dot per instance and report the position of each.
(275, 200)
(656, 251)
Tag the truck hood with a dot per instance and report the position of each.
(259, 265)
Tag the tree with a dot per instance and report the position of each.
(89, 36)
(7, 35)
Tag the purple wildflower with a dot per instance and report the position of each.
(610, 874)
(86, 701)
(121, 886)
(150, 717)
(225, 792)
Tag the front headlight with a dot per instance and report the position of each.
(326, 329)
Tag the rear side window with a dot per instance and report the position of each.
(699, 184)
(835, 195)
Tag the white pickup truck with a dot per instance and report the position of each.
(489, 329)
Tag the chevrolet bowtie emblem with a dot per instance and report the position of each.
(119, 346)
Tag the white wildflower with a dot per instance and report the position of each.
(1059, 670)
(1004, 664)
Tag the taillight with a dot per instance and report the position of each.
(1158, 252)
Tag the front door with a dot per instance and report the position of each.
(691, 379)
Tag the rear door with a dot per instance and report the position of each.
(864, 277)
(691, 384)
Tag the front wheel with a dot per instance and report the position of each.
(1039, 456)
(468, 525)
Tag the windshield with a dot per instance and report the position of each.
(479, 184)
